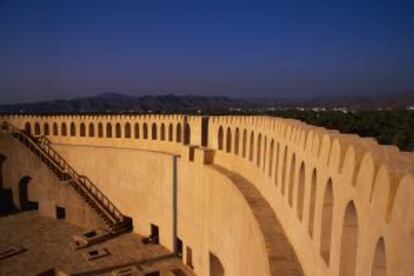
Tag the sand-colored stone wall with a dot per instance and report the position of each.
(345, 203)
(337, 196)
(20, 165)
(140, 183)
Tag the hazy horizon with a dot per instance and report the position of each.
(275, 98)
(264, 49)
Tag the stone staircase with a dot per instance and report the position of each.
(115, 221)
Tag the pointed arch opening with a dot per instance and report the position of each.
(154, 131)
(118, 132)
(127, 130)
(145, 131)
(220, 138)
(349, 242)
(37, 129)
(379, 263)
(301, 191)
(187, 134)
(236, 141)
(91, 130)
(251, 148)
(292, 179)
(312, 203)
(100, 130)
(179, 134)
(271, 153)
(55, 129)
(162, 132)
(277, 157)
(46, 129)
(284, 165)
(82, 130)
(170, 133)
(72, 129)
(259, 150)
(136, 131)
(64, 130)
(228, 140)
(264, 155)
(244, 143)
(28, 128)
(108, 130)
(326, 222)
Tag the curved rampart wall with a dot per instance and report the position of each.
(140, 183)
(336, 195)
(345, 203)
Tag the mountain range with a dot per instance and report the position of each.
(121, 103)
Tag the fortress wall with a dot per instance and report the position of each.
(41, 186)
(336, 195)
(214, 217)
(351, 163)
(157, 133)
(140, 183)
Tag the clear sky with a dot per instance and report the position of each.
(65, 49)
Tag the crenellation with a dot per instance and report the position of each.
(315, 144)
(337, 154)
(308, 144)
(325, 149)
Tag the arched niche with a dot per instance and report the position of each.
(326, 222)
(23, 191)
(349, 242)
(379, 262)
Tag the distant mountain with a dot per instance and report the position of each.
(120, 103)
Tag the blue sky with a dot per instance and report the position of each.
(65, 49)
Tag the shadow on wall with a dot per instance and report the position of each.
(6, 195)
(2, 161)
(24, 202)
(7, 205)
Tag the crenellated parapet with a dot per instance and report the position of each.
(345, 202)
(326, 179)
(145, 131)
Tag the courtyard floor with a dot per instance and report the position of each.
(46, 248)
